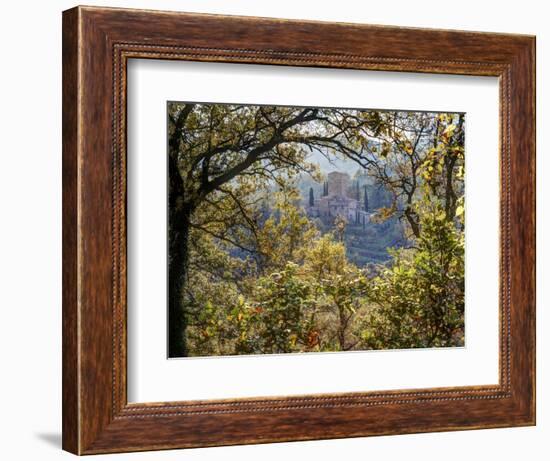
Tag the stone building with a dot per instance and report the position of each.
(337, 200)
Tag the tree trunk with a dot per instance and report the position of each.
(179, 215)
(177, 277)
(343, 324)
(411, 217)
(450, 195)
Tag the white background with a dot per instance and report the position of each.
(153, 378)
(30, 244)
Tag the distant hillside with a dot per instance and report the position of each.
(364, 243)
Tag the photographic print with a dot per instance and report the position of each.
(310, 229)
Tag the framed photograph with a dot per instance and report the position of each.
(282, 230)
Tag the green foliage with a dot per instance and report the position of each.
(280, 317)
(418, 301)
(310, 306)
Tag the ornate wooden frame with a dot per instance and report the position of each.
(97, 43)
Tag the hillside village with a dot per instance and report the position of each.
(349, 206)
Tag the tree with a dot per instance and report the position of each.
(398, 148)
(212, 146)
(280, 319)
(311, 197)
(419, 299)
(340, 223)
(342, 288)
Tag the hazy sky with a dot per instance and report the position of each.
(335, 164)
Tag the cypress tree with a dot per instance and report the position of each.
(311, 197)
